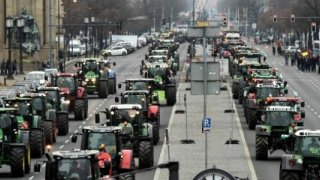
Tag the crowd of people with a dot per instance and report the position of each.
(7, 65)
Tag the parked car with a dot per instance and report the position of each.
(290, 49)
(115, 51)
(38, 78)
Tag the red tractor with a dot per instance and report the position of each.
(71, 87)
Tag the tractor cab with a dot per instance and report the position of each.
(73, 164)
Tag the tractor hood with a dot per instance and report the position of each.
(90, 75)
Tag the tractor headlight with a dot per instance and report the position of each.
(93, 79)
(67, 101)
(87, 79)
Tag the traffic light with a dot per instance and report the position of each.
(274, 18)
(224, 21)
(164, 21)
(293, 18)
(313, 27)
(119, 25)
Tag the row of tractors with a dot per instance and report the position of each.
(130, 127)
(276, 118)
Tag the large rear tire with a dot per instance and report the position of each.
(17, 163)
(171, 95)
(289, 175)
(145, 154)
(235, 90)
(36, 143)
(261, 147)
(155, 132)
(27, 160)
(63, 124)
(103, 90)
(79, 110)
(48, 128)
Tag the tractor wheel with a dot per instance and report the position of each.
(103, 90)
(240, 96)
(48, 128)
(63, 124)
(252, 119)
(171, 95)
(127, 177)
(235, 90)
(155, 132)
(145, 154)
(27, 161)
(261, 147)
(36, 143)
(79, 111)
(54, 131)
(111, 83)
(289, 175)
(17, 162)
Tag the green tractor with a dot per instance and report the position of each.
(302, 162)
(15, 146)
(165, 83)
(150, 108)
(42, 108)
(140, 132)
(36, 124)
(95, 78)
(276, 123)
(254, 94)
(59, 105)
(118, 144)
(72, 164)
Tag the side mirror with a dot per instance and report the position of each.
(24, 78)
(146, 57)
(303, 104)
(116, 99)
(107, 113)
(46, 78)
(285, 83)
(114, 64)
(142, 62)
(303, 114)
(74, 138)
(97, 118)
(119, 86)
(37, 167)
(155, 98)
(286, 91)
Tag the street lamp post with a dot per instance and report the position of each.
(20, 25)
(9, 26)
(92, 35)
(86, 21)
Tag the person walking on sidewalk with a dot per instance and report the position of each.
(273, 50)
(286, 58)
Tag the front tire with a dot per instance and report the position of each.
(36, 143)
(48, 128)
(171, 95)
(17, 163)
(63, 124)
(103, 90)
(145, 154)
(79, 110)
(261, 147)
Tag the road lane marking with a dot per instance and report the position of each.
(66, 141)
(61, 147)
(30, 178)
(76, 131)
(79, 127)
(44, 165)
(83, 123)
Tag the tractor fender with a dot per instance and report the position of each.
(112, 74)
(126, 159)
(64, 106)
(80, 92)
(51, 115)
(147, 130)
(286, 164)
(36, 122)
(263, 130)
(153, 111)
(24, 137)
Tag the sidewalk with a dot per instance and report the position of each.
(233, 158)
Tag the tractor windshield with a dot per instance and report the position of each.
(95, 139)
(138, 85)
(310, 146)
(279, 118)
(124, 114)
(267, 91)
(90, 66)
(52, 97)
(66, 82)
(136, 99)
(5, 120)
(74, 169)
(23, 108)
(37, 106)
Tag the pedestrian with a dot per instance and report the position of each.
(14, 67)
(279, 50)
(103, 158)
(3, 67)
(273, 50)
(8, 68)
(286, 58)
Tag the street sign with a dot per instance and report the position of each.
(206, 124)
(202, 24)
(198, 31)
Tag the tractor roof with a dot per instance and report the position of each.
(139, 79)
(90, 59)
(32, 95)
(41, 88)
(264, 85)
(66, 74)
(74, 154)
(281, 108)
(136, 92)
(125, 106)
(102, 129)
(283, 99)
(7, 109)
(308, 133)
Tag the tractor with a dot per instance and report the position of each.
(150, 108)
(59, 105)
(15, 146)
(71, 164)
(31, 110)
(276, 123)
(254, 94)
(41, 107)
(71, 88)
(303, 161)
(118, 144)
(130, 117)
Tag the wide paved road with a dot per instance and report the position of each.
(126, 67)
(307, 85)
